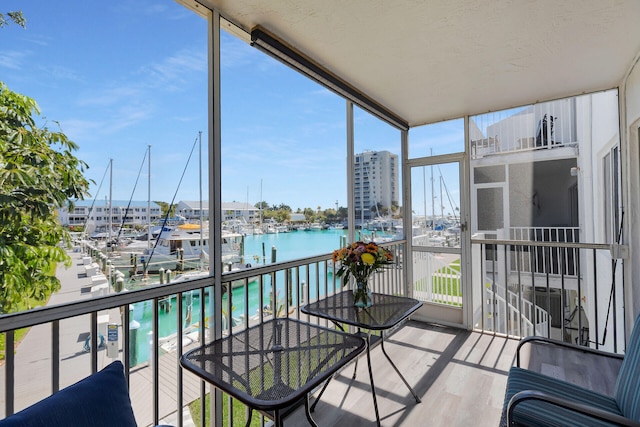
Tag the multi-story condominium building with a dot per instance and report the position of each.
(123, 212)
(243, 212)
(98, 213)
(375, 184)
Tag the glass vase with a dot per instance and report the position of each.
(362, 295)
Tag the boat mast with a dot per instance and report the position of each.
(433, 198)
(201, 208)
(110, 198)
(441, 202)
(424, 188)
(362, 171)
(149, 200)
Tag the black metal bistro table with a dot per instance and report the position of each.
(272, 367)
(386, 312)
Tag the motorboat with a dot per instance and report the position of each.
(186, 247)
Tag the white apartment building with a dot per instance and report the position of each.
(243, 212)
(97, 212)
(191, 210)
(231, 211)
(376, 183)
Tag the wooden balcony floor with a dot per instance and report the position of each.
(460, 377)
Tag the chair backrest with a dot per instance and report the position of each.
(627, 391)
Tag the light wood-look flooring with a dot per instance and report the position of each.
(460, 377)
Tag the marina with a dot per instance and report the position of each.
(181, 253)
(259, 250)
(256, 250)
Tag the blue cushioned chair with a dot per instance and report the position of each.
(100, 400)
(534, 399)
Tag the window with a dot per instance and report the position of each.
(490, 209)
(489, 174)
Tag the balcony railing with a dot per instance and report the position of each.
(545, 125)
(556, 261)
(582, 310)
(436, 280)
(582, 304)
(158, 385)
(494, 145)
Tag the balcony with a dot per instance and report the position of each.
(445, 365)
(517, 287)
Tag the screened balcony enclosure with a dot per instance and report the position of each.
(509, 135)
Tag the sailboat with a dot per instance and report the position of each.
(185, 248)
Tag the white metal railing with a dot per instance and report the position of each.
(494, 145)
(545, 234)
(524, 318)
(545, 125)
(557, 260)
(585, 307)
(436, 280)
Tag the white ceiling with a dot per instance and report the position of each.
(428, 61)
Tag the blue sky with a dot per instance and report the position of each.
(119, 76)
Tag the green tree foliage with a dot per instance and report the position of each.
(164, 207)
(15, 17)
(282, 207)
(38, 175)
(282, 213)
(309, 214)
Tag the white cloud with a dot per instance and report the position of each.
(12, 59)
(174, 70)
(109, 96)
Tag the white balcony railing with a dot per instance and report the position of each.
(556, 260)
(545, 125)
(494, 145)
(436, 279)
(583, 304)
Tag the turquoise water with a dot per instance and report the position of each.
(288, 246)
(293, 245)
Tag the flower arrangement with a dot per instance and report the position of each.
(360, 259)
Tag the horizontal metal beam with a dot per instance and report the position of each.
(298, 61)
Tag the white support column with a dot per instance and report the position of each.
(215, 198)
(407, 216)
(351, 212)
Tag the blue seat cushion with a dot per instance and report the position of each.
(627, 391)
(100, 400)
(537, 413)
